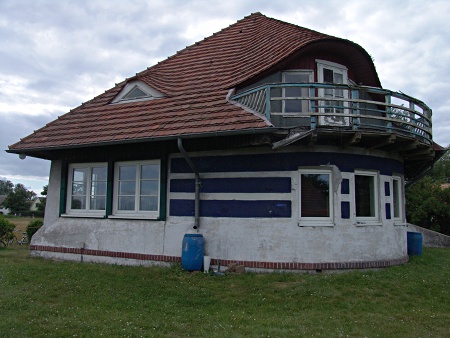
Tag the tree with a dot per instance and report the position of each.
(441, 170)
(6, 187)
(41, 205)
(6, 231)
(19, 200)
(428, 200)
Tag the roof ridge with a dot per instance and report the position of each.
(189, 47)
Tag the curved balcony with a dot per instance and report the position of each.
(349, 109)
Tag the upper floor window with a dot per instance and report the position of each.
(292, 103)
(136, 91)
(87, 189)
(335, 98)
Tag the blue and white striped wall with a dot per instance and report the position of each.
(249, 206)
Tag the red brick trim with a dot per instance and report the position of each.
(226, 262)
(104, 253)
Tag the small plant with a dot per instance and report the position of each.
(6, 231)
(32, 227)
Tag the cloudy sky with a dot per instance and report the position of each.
(56, 54)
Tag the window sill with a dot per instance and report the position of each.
(365, 224)
(83, 215)
(399, 224)
(135, 217)
(313, 224)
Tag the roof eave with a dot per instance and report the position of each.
(33, 152)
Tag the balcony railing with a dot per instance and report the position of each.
(318, 105)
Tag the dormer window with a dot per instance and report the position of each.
(136, 91)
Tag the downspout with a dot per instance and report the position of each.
(197, 184)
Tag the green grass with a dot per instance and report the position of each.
(42, 298)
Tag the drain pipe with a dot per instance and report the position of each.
(197, 184)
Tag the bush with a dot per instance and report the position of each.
(428, 205)
(32, 227)
(31, 213)
(6, 231)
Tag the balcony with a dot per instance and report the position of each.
(382, 118)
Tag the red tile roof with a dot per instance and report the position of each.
(195, 82)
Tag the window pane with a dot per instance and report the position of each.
(127, 172)
(98, 188)
(292, 92)
(328, 76)
(150, 172)
(126, 203)
(98, 203)
(296, 77)
(99, 174)
(80, 174)
(78, 202)
(396, 198)
(338, 78)
(293, 106)
(365, 196)
(79, 188)
(315, 195)
(148, 203)
(127, 188)
(135, 93)
(149, 187)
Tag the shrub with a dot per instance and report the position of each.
(6, 231)
(32, 227)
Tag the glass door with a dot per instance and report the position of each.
(335, 98)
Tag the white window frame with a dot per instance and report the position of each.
(400, 203)
(151, 93)
(362, 220)
(306, 104)
(136, 213)
(316, 221)
(336, 68)
(84, 212)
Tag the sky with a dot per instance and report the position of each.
(57, 54)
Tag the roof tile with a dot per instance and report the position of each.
(195, 82)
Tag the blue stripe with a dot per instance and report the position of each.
(388, 211)
(387, 189)
(235, 185)
(232, 208)
(286, 162)
(345, 210)
(345, 186)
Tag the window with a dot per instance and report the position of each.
(316, 196)
(366, 196)
(295, 105)
(136, 189)
(87, 189)
(136, 91)
(335, 97)
(397, 197)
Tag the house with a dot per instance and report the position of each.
(3, 210)
(275, 142)
(35, 202)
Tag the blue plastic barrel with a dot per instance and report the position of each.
(192, 252)
(414, 243)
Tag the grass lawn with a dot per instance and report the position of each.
(42, 298)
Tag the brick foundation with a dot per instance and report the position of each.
(225, 262)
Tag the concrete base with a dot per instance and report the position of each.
(431, 239)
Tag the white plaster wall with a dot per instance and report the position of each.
(137, 236)
(271, 240)
(281, 240)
